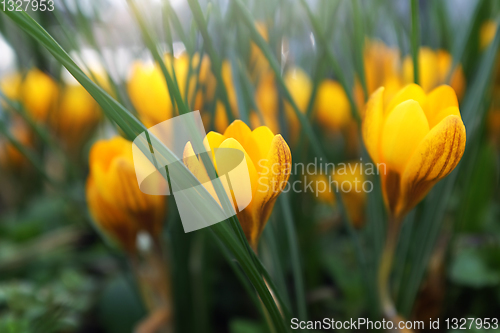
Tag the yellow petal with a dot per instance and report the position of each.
(372, 123)
(111, 220)
(457, 80)
(197, 168)
(112, 170)
(439, 99)
(411, 91)
(299, 85)
(273, 176)
(487, 33)
(212, 141)
(238, 130)
(266, 97)
(436, 156)
(10, 85)
(221, 120)
(149, 93)
(259, 144)
(227, 77)
(39, 93)
(242, 188)
(350, 184)
(404, 129)
(332, 106)
(428, 68)
(439, 116)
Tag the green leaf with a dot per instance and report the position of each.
(470, 268)
(246, 326)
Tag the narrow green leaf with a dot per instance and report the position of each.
(415, 38)
(293, 243)
(331, 59)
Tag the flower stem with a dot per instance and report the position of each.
(387, 305)
(154, 282)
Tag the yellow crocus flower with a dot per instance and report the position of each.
(349, 183)
(332, 106)
(116, 203)
(39, 94)
(268, 160)
(10, 85)
(205, 79)
(493, 126)
(300, 87)
(382, 66)
(258, 60)
(10, 157)
(227, 77)
(266, 98)
(418, 137)
(353, 196)
(487, 33)
(149, 94)
(77, 114)
(433, 70)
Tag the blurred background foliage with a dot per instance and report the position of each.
(59, 274)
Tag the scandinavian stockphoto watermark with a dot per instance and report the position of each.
(318, 177)
(161, 155)
(173, 158)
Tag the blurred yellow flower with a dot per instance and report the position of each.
(10, 157)
(493, 123)
(258, 61)
(76, 116)
(149, 94)
(221, 119)
(206, 77)
(415, 140)
(116, 203)
(266, 98)
(206, 80)
(10, 85)
(332, 106)
(299, 85)
(269, 162)
(382, 65)
(382, 69)
(349, 184)
(39, 94)
(353, 196)
(433, 70)
(227, 77)
(487, 34)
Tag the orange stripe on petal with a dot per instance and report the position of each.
(436, 156)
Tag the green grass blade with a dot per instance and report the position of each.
(216, 62)
(415, 38)
(261, 43)
(358, 45)
(293, 243)
(331, 59)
